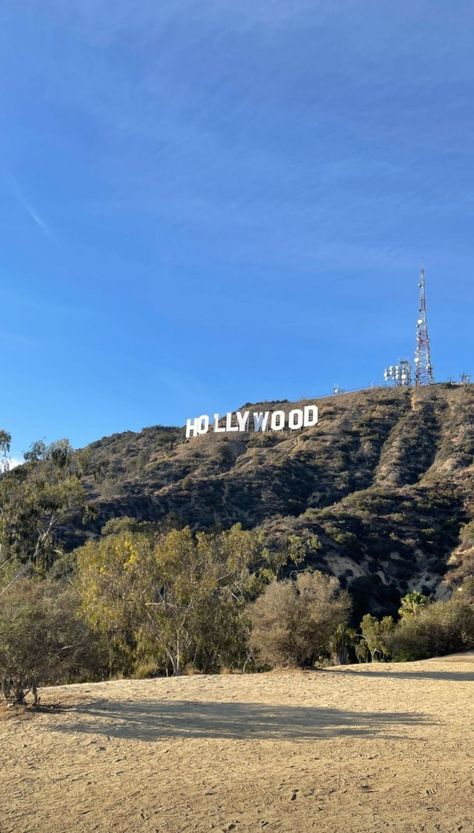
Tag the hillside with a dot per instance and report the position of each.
(355, 749)
(380, 488)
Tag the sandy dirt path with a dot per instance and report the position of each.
(359, 749)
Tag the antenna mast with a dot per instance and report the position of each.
(423, 366)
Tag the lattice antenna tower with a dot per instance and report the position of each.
(423, 367)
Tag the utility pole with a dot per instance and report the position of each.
(423, 367)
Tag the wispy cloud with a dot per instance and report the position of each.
(38, 220)
(31, 210)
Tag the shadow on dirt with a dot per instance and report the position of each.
(155, 720)
(452, 676)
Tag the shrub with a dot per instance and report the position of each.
(362, 650)
(412, 604)
(441, 628)
(343, 644)
(376, 634)
(42, 640)
(466, 590)
(293, 621)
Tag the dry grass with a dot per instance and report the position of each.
(362, 749)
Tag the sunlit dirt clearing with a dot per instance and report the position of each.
(366, 748)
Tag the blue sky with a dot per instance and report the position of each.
(209, 203)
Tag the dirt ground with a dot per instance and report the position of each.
(367, 748)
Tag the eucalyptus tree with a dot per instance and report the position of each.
(36, 499)
(5, 442)
(175, 598)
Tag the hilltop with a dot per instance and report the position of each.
(380, 488)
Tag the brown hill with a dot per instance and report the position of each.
(379, 489)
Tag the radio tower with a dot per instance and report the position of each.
(423, 366)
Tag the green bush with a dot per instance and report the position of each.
(172, 599)
(294, 622)
(440, 628)
(413, 604)
(42, 640)
(376, 634)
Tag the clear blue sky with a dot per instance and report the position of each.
(208, 203)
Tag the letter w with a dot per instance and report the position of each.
(260, 421)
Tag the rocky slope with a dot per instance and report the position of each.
(380, 489)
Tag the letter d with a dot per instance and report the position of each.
(311, 415)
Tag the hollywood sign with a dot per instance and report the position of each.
(304, 417)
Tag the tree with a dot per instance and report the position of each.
(376, 633)
(5, 441)
(342, 644)
(293, 620)
(176, 597)
(35, 499)
(440, 628)
(412, 604)
(42, 640)
(361, 650)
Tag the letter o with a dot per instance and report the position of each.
(278, 420)
(295, 419)
(203, 424)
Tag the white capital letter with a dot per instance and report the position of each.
(218, 429)
(295, 419)
(203, 424)
(242, 420)
(260, 421)
(278, 420)
(228, 422)
(191, 427)
(311, 415)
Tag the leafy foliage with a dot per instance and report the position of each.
(412, 604)
(293, 621)
(439, 628)
(343, 645)
(36, 498)
(177, 597)
(42, 639)
(5, 441)
(376, 634)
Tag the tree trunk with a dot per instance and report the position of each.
(19, 692)
(178, 658)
